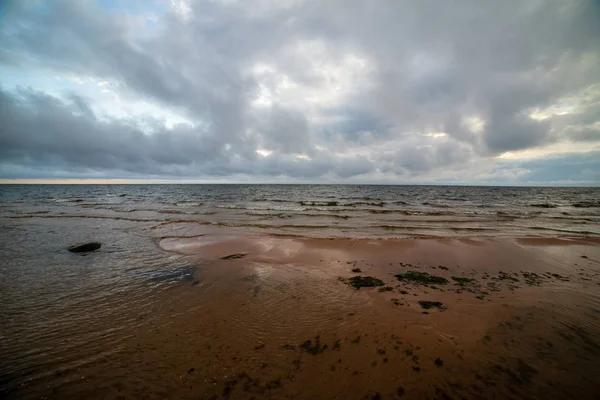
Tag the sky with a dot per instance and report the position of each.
(292, 91)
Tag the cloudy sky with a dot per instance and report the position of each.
(381, 91)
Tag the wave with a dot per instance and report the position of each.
(427, 203)
(319, 203)
(264, 199)
(586, 204)
(363, 203)
(174, 212)
(340, 203)
(232, 207)
(573, 218)
(278, 209)
(178, 237)
(413, 213)
(543, 228)
(467, 229)
(543, 205)
(388, 212)
(284, 215)
(365, 198)
(286, 208)
(32, 213)
(188, 204)
(436, 228)
(86, 217)
(457, 198)
(352, 228)
(339, 216)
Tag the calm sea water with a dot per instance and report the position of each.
(322, 210)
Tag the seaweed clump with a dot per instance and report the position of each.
(364, 281)
(421, 277)
(463, 281)
(314, 349)
(431, 304)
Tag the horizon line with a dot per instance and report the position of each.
(120, 181)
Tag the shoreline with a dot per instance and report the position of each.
(511, 330)
(278, 317)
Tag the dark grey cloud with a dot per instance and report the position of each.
(40, 131)
(369, 81)
(282, 130)
(413, 158)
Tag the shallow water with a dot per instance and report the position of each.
(134, 318)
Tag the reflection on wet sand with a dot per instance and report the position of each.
(275, 317)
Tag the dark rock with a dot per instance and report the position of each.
(234, 256)
(85, 247)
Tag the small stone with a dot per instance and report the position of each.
(85, 247)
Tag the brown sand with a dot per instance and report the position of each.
(279, 323)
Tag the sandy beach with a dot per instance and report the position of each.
(277, 317)
(241, 292)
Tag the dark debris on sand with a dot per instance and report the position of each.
(523, 373)
(364, 281)
(421, 277)
(314, 349)
(234, 256)
(398, 302)
(431, 304)
(250, 385)
(400, 391)
(463, 281)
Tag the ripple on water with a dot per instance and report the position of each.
(280, 305)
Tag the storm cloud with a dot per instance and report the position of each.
(301, 90)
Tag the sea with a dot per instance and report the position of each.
(358, 211)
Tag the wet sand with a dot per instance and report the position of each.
(276, 317)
